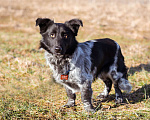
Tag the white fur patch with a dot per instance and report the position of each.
(113, 67)
(79, 65)
(123, 83)
(105, 92)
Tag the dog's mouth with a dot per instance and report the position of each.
(58, 54)
(58, 50)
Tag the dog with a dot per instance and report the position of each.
(76, 65)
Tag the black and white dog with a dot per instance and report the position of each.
(76, 65)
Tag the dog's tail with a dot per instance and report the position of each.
(124, 85)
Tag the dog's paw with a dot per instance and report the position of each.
(89, 108)
(92, 110)
(119, 100)
(101, 96)
(68, 105)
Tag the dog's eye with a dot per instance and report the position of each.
(52, 35)
(65, 36)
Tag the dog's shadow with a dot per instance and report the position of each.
(139, 68)
(142, 93)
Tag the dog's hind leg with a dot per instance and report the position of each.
(120, 82)
(71, 98)
(108, 85)
(118, 93)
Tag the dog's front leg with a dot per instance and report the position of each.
(86, 96)
(71, 98)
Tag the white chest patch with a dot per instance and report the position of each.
(79, 65)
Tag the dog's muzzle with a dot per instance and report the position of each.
(58, 49)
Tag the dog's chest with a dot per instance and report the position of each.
(60, 67)
(79, 65)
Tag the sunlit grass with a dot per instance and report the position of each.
(27, 89)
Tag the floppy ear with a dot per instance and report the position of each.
(74, 25)
(44, 23)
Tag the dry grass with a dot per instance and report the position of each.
(106, 17)
(26, 87)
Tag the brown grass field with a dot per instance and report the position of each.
(27, 90)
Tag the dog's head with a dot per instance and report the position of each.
(58, 38)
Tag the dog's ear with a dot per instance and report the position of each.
(44, 23)
(74, 25)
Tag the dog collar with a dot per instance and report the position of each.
(65, 76)
(67, 72)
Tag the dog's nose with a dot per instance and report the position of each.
(58, 49)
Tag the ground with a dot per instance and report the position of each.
(27, 89)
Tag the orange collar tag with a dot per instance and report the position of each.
(64, 77)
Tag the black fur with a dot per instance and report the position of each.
(101, 58)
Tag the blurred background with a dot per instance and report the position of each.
(129, 18)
